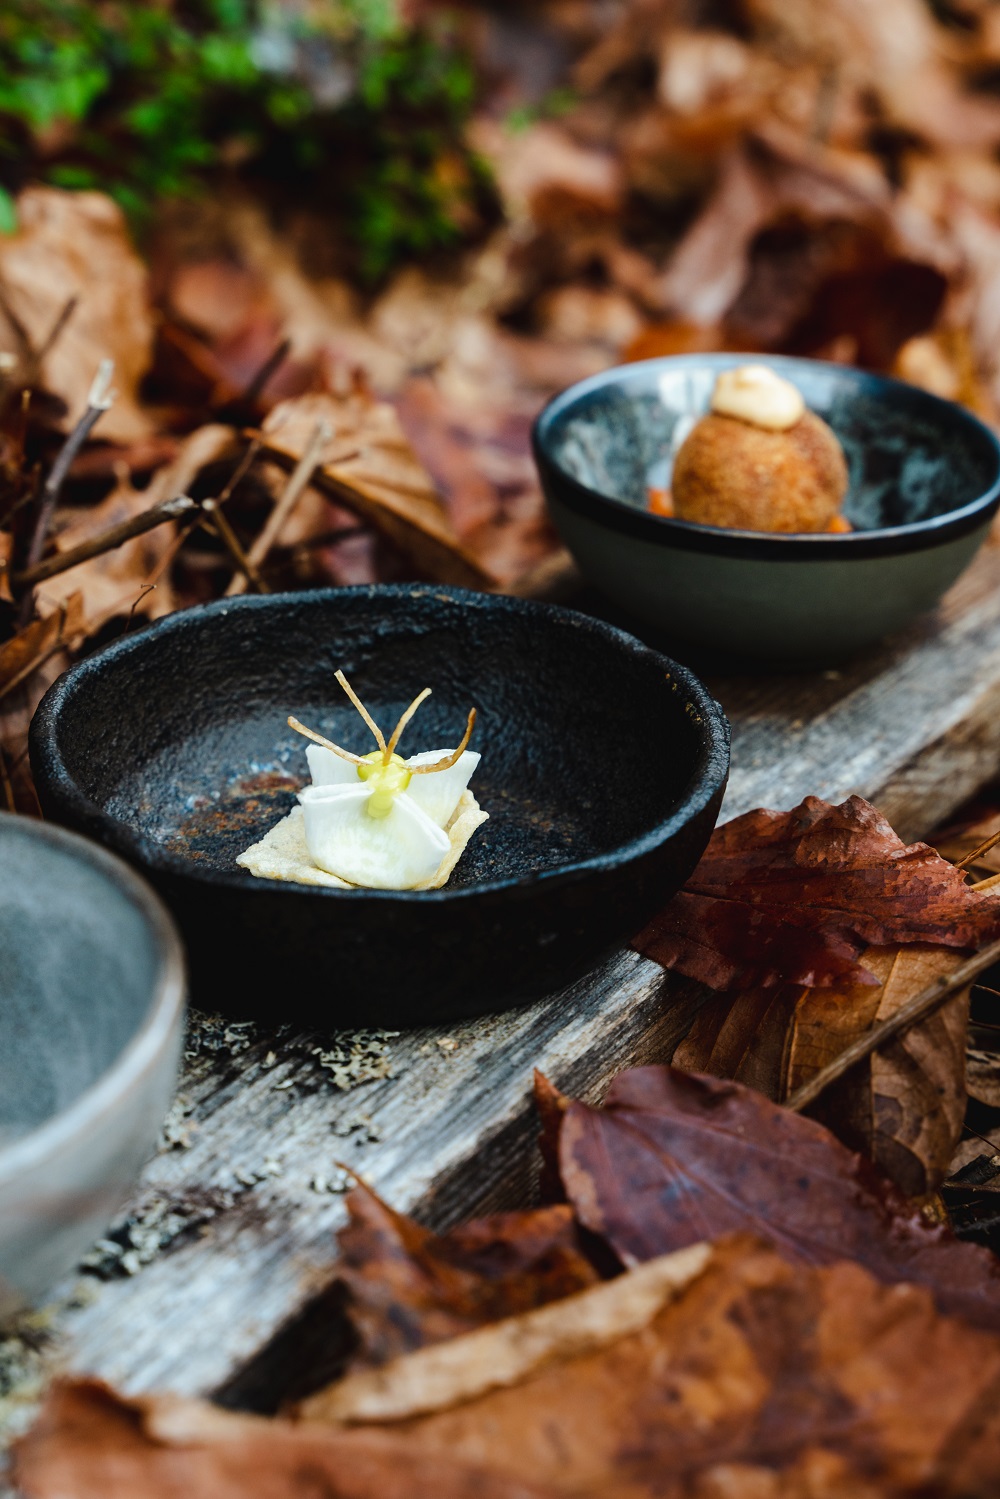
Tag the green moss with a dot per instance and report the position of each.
(337, 103)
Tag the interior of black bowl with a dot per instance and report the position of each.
(79, 972)
(180, 733)
(910, 455)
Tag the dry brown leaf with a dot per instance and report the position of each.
(723, 1371)
(760, 1379)
(77, 245)
(903, 1106)
(370, 467)
(478, 452)
(895, 52)
(90, 1443)
(509, 1351)
(35, 643)
(6, 554)
(410, 1287)
(545, 177)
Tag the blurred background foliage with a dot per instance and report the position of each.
(341, 105)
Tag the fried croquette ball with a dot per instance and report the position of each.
(759, 461)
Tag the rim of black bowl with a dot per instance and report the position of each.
(146, 1045)
(708, 776)
(880, 541)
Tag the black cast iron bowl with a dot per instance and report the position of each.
(603, 769)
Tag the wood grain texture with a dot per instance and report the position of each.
(914, 727)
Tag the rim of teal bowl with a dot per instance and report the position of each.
(143, 1050)
(683, 535)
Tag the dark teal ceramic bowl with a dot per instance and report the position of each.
(924, 487)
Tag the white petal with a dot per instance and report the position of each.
(440, 792)
(381, 853)
(328, 769)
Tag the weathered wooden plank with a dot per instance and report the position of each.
(915, 727)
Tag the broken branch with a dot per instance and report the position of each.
(226, 534)
(915, 1009)
(106, 541)
(99, 401)
(285, 503)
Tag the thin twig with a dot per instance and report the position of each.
(106, 541)
(983, 848)
(271, 364)
(989, 883)
(99, 401)
(229, 540)
(18, 329)
(286, 502)
(915, 1009)
(326, 539)
(48, 344)
(144, 591)
(238, 472)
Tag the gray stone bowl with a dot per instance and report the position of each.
(91, 1008)
(924, 487)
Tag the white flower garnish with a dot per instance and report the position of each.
(378, 820)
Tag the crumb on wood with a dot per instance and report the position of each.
(335, 1182)
(370, 1133)
(177, 1127)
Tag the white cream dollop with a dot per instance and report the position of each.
(754, 393)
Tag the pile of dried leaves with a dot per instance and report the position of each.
(722, 1297)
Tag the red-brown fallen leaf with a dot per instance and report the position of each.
(903, 1106)
(673, 1158)
(410, 1287)
(759, 1380)
(90, 1443)
(796, 897)
(479, 455)
(77, 245)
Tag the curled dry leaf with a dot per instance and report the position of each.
(369, 467)
(674, 1158)
(410, 1287)
(722, 1370)
(504, 1354)
(77, 245)
(756, 1377)
(903, 1106)
(90, 1443)
(34, 644)
(796, 897)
